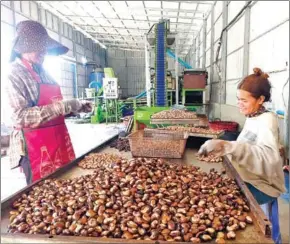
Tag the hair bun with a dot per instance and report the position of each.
(259, 72)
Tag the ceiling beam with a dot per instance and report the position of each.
(168, 10)
(129, 28)
(108, 34)
(194, 2)
(123, 45)
(120, 40)
(145, 15)
(138, 38)
(136, 20)
(197, 5)
(55, 11)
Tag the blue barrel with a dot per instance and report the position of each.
(96, 80)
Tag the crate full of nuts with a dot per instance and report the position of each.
(157, 145)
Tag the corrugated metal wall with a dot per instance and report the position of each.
(13, 12)
(259, 38)
(129, 67)
(268, 46)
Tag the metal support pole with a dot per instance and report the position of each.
(246, 42)
(286, 125)
(223, 95)
(198, 51)
(204, 43)
(176, 70)
(147, 75)
(212, 49)
(13, 17)
(194, 53)
(116, 104)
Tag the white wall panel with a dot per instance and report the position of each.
(43, 16)
(17, 6)
(25, 7)
(200, 63)
(79, 57)
(80, 49)
(231, 92)
(53, 35)
(6, 43)
(89, 55)
(70, 53)
(19, 18)
(6, 3)
(34, 10)
(208, 22)
(81, 69)
(208, 40)
(236, 35)
(271, 52)
(218, 9)
(267, 14)
(207, 61)
(234, 8)
(278, 81)
(235, 65)
(218, 28)
(6, 15)
(68, 43)
(201, 49)
(55, 23)
(49, 20)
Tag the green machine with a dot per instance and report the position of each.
(106, 108)
(98, 113)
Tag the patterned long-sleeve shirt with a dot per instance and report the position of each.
(22, 92)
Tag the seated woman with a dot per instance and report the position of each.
(255, 154)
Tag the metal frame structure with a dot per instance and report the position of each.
(117, 24)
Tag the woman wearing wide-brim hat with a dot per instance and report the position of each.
(40, 142)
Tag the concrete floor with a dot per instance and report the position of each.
(86, 137)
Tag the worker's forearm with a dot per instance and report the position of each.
(33, 117)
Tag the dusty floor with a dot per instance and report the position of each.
(92, 136)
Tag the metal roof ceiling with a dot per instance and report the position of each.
(122, 24)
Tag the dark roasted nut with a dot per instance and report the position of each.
(139, 198)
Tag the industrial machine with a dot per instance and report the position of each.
(163, 91)
(194, 87)
(104, 91)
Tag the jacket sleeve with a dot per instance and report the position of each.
(23, 113)
(261, 158)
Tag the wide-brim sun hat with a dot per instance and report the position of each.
(31, 36)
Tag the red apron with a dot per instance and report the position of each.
(48, 146)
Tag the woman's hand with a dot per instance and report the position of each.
(76, 106)
(215, 147)
(87, 106)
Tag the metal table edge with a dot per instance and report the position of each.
(7, 201)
